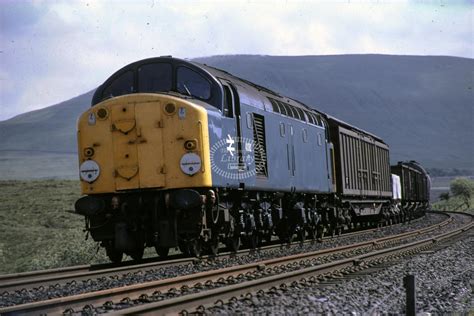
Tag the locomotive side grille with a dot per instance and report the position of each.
(260, 149)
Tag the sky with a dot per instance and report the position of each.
(51, 51)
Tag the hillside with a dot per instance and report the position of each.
(52, 129)
(421, 105)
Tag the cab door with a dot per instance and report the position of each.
(228, 153)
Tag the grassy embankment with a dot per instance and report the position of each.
(37, 232)
(38, 229)
(462, 186)
(454, 204)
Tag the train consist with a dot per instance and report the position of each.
(175, 153)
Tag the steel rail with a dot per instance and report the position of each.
(58, 305)
(219, 295)
(60, 276)
(25, 280)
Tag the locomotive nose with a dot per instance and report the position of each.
(143, 141)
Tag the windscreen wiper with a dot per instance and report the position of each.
(187, 90)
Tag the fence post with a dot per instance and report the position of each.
(409, 284)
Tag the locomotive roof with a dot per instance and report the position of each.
(251, 88)
(258, 89)
(259, 96)
(270, 93)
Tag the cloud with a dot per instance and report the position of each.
(51, 51)
(18, 17)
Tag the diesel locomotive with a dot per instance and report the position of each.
(177, 154)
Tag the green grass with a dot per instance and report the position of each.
(452, 185)
(39, 229)
(454, 204)
(36, 229)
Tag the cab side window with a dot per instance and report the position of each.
(228, 106)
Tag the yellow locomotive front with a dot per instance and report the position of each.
(143, 141)
(142, 156)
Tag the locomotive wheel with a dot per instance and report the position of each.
(252, 241)
(255, 240)
(162, 251)
(183, 248)
(233, 243)
(114, 255)
(301, 235)
(213, 247)
(312, 233)
(320, 233)
(137, 254)
(267, 237)
(194, 247)
(285, 236)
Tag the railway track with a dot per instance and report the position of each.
(312, 273)
(20, 281)
(190, 291)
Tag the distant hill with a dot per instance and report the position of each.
(52, 129)
(421, 105)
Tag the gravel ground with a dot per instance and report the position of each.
(444, 283)
(31, 295)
